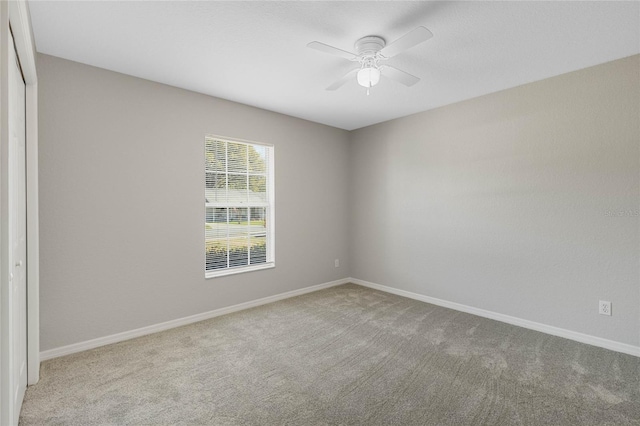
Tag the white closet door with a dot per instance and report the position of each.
(17, 233)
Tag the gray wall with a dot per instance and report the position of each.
(502, 202)
(509, 202)
(121, 202)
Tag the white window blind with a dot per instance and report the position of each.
(239, 211)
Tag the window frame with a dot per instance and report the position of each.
(270, 220)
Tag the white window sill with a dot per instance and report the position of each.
(239, 270)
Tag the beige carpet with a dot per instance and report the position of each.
(342, 356)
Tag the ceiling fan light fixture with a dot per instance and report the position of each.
(372, 50)
(368, 77)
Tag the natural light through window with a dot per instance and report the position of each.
(239, 211)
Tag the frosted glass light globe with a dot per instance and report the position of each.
(368, 77)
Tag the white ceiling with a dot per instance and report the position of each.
(255, 52)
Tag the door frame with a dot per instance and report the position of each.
(15, 17)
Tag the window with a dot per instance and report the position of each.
(238, 206)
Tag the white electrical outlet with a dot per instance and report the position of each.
(604, 307)
(337, 263)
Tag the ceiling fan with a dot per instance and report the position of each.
(372, 51)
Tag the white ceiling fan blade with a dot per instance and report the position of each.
(342, 80)
(331, 50)
(399, 75)
(407, 41)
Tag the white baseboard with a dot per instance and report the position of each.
(119, 337)
(555, 331)
(548, 329)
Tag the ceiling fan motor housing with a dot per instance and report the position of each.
(369, 45)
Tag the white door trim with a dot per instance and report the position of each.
(16, 15)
